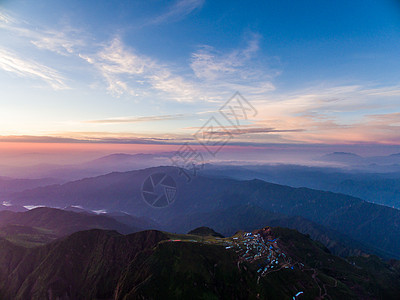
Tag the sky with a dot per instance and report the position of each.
(160, 72)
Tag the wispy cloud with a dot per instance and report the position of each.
(129, 72)
(177, 11)
(335, 114)
(384, 91)
(124, 70)
(63, 41)
(137, 119)
(245, 131)
(6, 18)
(240, 69)
(213, 75)
(88, 139)
(13, 63)
(60, 42)
(114, 62)
(387, 119)
(207, 63)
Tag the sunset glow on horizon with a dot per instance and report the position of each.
(148, 76)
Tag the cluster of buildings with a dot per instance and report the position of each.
(260, 247)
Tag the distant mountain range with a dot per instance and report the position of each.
(375, 179)
(343, 157)
(362, 222)
(371, 163)
(103, 165)
(98, 264)
(12, 185)
(379, 188)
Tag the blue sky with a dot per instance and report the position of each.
(316, 72)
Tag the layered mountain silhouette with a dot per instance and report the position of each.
(363, 222)
(377, 187)
(352, 159)
(102, 165)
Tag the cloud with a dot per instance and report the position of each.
(11, 62)
(114, 62)
(63, 41)
(6, 19)
(177, 11)
(207, 63)
(242, 131)
(36, 139)
(137, 119)
(241, 69)
(214, 77)
(60, 42)
(387, 119)
(384, 91)
(126, 71)
(85, 139)
(341, 114)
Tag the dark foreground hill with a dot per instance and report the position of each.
(280, 264)
(361, 221)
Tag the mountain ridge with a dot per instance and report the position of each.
(121, 191)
